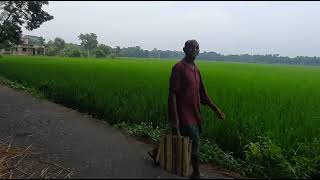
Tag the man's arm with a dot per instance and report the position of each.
(173, 113)
(205, 100)
(174, 88)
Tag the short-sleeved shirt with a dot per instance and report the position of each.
(186, 83)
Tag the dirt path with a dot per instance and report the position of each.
(74, 140)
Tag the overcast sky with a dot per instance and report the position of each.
(285, 28)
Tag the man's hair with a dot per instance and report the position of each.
(187, 43)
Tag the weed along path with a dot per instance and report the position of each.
(91, 148)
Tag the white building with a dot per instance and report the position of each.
(30, 45)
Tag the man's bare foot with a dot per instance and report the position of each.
(195, 175)
(153, 155)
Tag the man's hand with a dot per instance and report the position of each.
(220, 114)
(175, 131)
(215, 109)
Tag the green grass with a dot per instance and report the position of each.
(272, 111)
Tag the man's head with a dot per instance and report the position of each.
(191, 48)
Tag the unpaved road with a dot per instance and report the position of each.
(74, 140)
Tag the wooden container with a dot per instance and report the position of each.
(174, 154)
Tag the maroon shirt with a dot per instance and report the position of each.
(186, 83)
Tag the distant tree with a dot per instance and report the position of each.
(106, 49)
(51, 48)
(84, 53)
(117, 51)
(100, 54)
(75, 53)
(42, 41)
(59, 44)
(89, 42)
(72, 50)
(16, 14)
(56, 47)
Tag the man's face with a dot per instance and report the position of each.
(192, 50)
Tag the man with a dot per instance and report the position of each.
(186, 92)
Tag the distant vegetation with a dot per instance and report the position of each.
(91, 48)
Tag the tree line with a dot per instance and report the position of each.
(90, 47)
